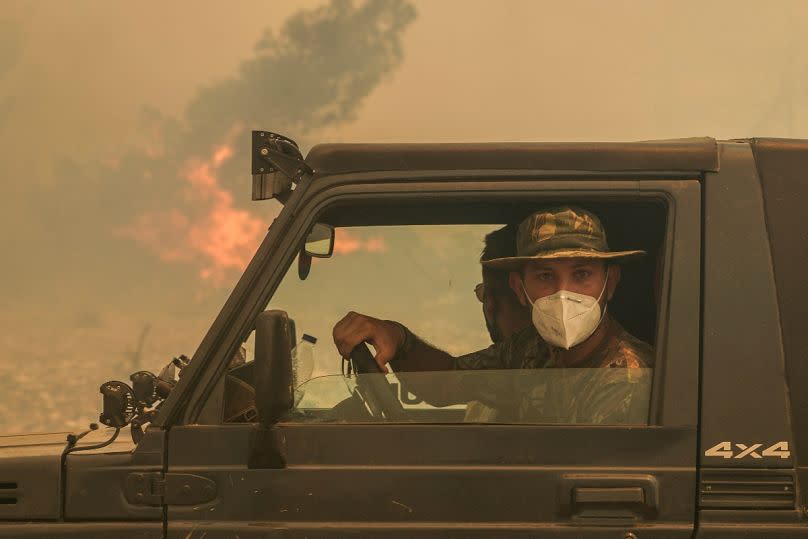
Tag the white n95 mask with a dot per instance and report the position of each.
(566, 318)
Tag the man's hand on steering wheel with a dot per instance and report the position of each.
(354, 328)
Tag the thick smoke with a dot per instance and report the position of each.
(10, 47)
(157, 238)
(313, 73)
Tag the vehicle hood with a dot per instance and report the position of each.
(53, 443)
(45, 442)
(31, 471)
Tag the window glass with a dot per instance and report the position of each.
(427, 277)
(421, 275)
(616, 396)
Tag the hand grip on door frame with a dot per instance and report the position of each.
(608, 497)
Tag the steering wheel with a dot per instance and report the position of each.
(377, 392)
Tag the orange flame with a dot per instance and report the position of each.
(225, 236)
(211, 231)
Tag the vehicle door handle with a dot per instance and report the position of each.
(608, 495)
(608, 504)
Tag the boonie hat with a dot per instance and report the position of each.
(562, 232)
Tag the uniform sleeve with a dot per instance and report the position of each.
(492, 357)
(485, 376)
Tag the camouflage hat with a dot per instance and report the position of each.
(563, 232)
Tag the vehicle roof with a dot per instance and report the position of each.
(687, 154)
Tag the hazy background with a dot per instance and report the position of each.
(125, 216)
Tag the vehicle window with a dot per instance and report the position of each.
(421, 275)
(426, 277)
(617, 396)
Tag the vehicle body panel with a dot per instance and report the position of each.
(413, 479)
(742, 365)
(83, 530)
(30, 477)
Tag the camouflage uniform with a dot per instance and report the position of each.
(611, 386)
(494, 394)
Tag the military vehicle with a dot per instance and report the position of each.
(260, 448)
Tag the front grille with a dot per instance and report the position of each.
(747, 489)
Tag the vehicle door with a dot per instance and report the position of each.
(411, 252)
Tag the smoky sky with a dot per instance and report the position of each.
(10, 45)
(312, 73)
(110, 259)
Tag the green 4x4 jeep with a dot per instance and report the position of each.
(266, 434)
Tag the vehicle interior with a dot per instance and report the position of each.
(385, 262)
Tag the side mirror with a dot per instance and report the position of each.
(320, 241)
(274, 396)
(319, 244)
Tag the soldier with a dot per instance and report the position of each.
(565, 272)
(504, 314)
